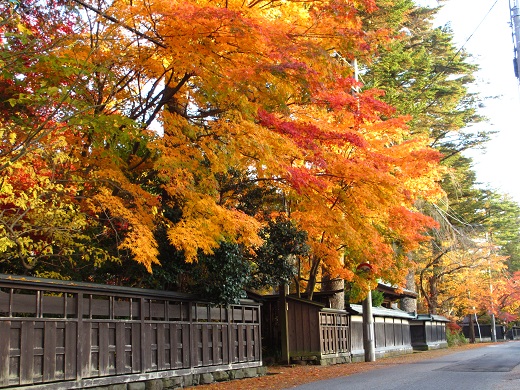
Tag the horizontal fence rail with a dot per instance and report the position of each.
(90, 334)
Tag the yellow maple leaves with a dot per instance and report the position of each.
(259, 87)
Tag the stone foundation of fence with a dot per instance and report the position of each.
(183, 381)
(359, 355)
(322, 360)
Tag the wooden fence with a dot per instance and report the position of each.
(391, 331)
(60, 335)
(314, 332)
(513, 333)
(428, 331)
(483, 332)
(334, 330)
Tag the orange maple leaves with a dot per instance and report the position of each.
(264, 87)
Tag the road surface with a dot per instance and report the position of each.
(492, 367)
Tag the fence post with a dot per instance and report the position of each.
(336, 335)
(284, 324)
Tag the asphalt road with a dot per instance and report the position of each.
(492, 367)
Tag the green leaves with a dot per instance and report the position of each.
(276, 261)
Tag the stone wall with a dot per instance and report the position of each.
(181, 382)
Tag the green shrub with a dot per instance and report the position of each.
(377, 298)
(455, 337)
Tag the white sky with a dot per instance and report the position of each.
(491, 46)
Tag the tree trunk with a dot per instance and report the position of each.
(432, 281)
(337, 301)
(409, 304)
(313, 275)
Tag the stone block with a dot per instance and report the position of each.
(120, 386)
(172, 383)
(250, 372)
(188, 380)
(136, 386)
(154, 384)
(237, 374)
(220, 376)
(206, 379)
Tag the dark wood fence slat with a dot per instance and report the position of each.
(186, 345)
(257, 350)
(27, 353)
(204, 343)
(85, 358)
(120, 348)
(49, 356)
(103, 349)
(136, 347)
(146, 347)
(174, 345)
(192, 351)
(80, 348)
(142, 329)
(172, 356)
(216, 344)
(5, 331)
(249, 343)
(71, 336)
(225, 343)
(230, 342)
(233, 343)
(161, 365)
(240, 339)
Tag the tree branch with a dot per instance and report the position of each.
(125, 26)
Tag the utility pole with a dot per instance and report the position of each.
(368, 320)
(493, 328)
(515, 24)
(368, 329)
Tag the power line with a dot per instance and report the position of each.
(476, 28)
(450, 61)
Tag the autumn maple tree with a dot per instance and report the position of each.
(186, 127)
(59, 168)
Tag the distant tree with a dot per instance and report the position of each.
(502, 224)
(425, 76)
